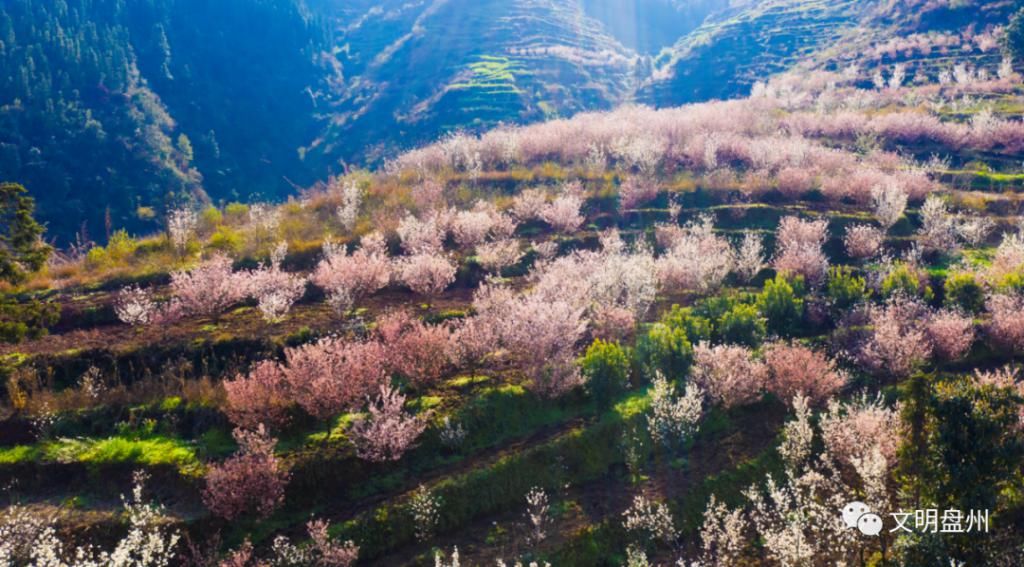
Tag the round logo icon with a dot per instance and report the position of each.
(853, 511)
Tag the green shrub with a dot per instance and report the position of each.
(211, 217)
(715, 307)
(30, 319)
(236, 212)
(118, 250)
(780, 302)
(742, 325)
(905, 279)
(606, 367)
(963, 290)
(698, 326)
(665, 349)
(844, 289)
(226, 239)
(1012, 282)
(22, 250)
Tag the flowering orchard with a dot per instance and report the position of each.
(561, 342)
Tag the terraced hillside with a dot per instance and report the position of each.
(732, 50)
(415, 71)
(927, 39)
(751, 41)
(636, 336)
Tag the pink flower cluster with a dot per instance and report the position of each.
(388, 432)
(251, 481)
(333, 375)
(798, 249)
(794, 369)
(348, 278)
(729, 374)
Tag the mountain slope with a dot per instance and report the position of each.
(78, 124)
(107, 106)
(416, 70)
(753, 40)
(750, 42)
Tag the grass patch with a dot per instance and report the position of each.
(151, 451)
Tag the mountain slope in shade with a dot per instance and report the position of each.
(112, 111)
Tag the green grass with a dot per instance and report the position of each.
(496, 74)
(151, 451)
(463, 381)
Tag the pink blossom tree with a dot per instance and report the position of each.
(851, 431)
(134, 306)
(251, 481)
(542, 336)
(529, 204)
(348, 278)
(938, 227)
(799, 250)
(697, 258)
(330, 553)
(388, 432)
(261, 396)
(889, 201)
(729, 374)
(897, 343)
(863, 241)
(331, 376)
(797, 370)
(563, 214)
(637, 190)
(613, 323)
(427, 274)
(1006, 326)
(421, 236)
(472, 340)
(320, 551)
(951, 334)
(428, 194)
(274, 290)
(794, 182)
(749, 259)
(416, 350)
(1009, 258)
(470, 228)
(209, 288)
(498, 255)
